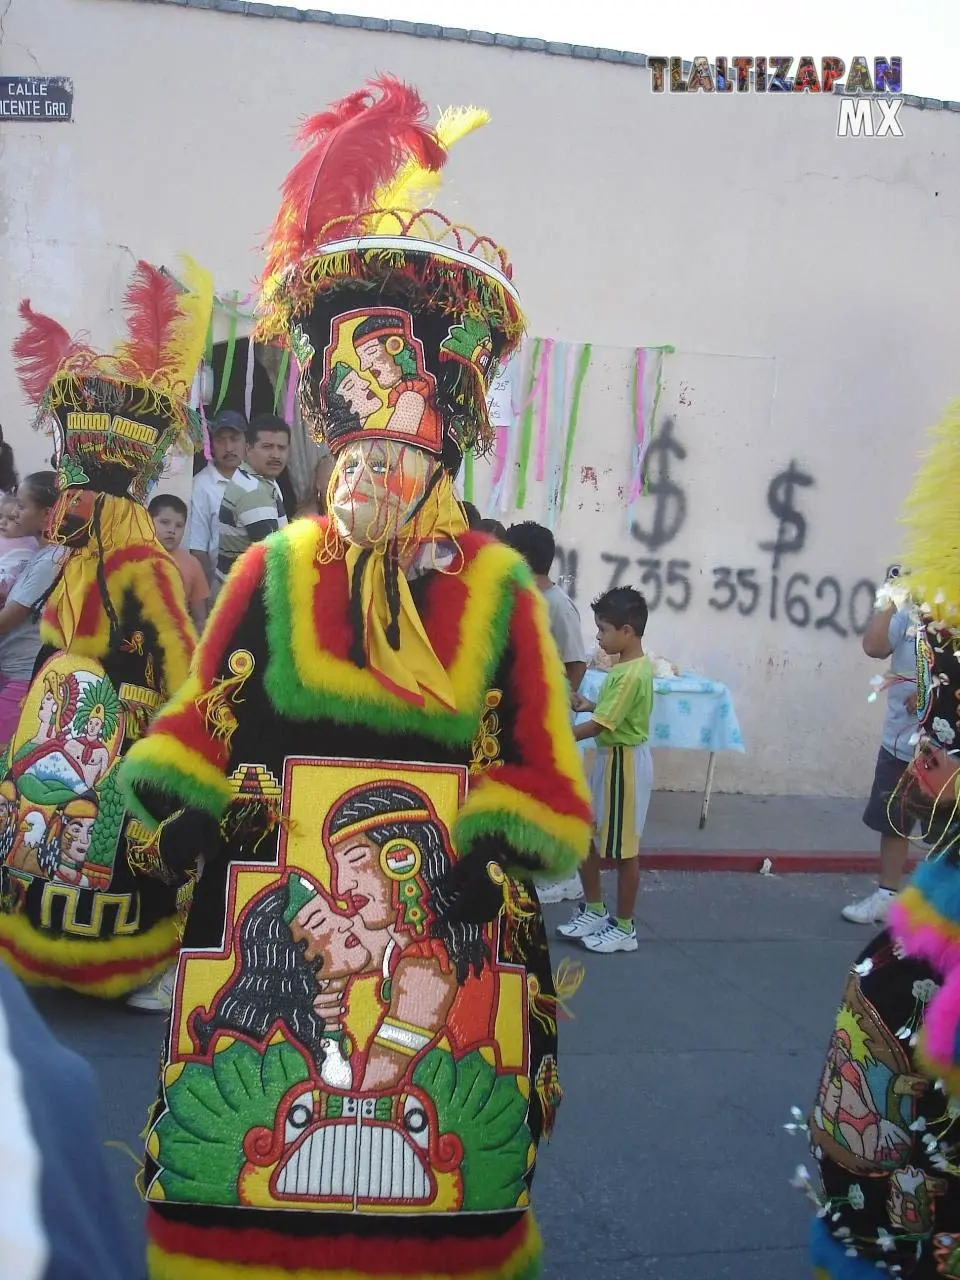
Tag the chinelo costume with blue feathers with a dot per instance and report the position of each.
(885, 1125)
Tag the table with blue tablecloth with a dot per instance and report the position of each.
(689, 712)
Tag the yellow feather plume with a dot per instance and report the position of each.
(413, 187)
(932, 516)
(188, 339)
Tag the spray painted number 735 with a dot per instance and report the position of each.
(660, 581)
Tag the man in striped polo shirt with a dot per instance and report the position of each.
(252, 504)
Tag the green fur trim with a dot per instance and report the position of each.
(290, 698)
(138, 769)
(556, 858)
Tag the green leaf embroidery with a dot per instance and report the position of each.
(209, 1112)
(488, 1114)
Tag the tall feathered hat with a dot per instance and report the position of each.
(114, 416)
(397, 317)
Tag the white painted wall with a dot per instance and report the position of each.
(806, 282)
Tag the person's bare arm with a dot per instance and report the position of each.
(589, 729)
(876, 638)
(12, 615)
(575, 673)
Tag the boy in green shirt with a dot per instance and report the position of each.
(621, 778)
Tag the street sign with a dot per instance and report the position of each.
(40, 99)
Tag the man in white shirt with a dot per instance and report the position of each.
(227, 444)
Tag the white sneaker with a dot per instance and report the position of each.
(582, 923)
(611, 938)
(566, 891)
(156, 996)
(870, 910)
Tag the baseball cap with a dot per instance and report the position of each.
(228, 420)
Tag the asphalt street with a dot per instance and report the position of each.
(669, 1161)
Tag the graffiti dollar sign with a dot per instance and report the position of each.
(670, 510)
(792, 530)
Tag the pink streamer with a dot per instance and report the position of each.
(291, 390)
(543, 382)
(640, 427)
(500, 456)
(248, 383)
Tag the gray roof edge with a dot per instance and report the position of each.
(431, 31)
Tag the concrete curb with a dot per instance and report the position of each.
(782, 862)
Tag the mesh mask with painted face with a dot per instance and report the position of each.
(376, 488)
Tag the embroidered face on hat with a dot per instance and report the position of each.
(397, 317)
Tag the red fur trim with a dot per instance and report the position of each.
(232, 604)
(91, 610)
(176, 656)
(373, 1255)
(529, 690)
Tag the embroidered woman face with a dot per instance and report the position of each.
(377, 486)
(76, 841)
(331, 938)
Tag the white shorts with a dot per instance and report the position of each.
(621, 782)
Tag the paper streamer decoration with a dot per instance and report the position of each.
(645, 390)
(580, 373)
(468, 461)
(543, 415)
(227, 362)
(526, 426)
(288, 412)
(281, 380)
(248, 380)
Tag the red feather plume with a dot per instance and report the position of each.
(152, 310)
(354, 147)
(41, 350)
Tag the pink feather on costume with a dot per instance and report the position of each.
(922, 941)
(353, 149)
(941, 1020)
(151, 304)
(41, 350)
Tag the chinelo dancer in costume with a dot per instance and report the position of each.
(117, 642)
(885, 1126)
(374, 752)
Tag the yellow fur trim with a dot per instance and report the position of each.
(156, 948)
(490, 796)
(932, 517)
(319, 670)
(160, 752)
(180, 1266)
(154, 609)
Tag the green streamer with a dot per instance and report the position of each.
(665, 350)
(583, 364)
(208, 349)
(526, 428)
(228, 358)
(468, 475)
(281, 380)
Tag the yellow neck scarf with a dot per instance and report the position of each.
(412, 671)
